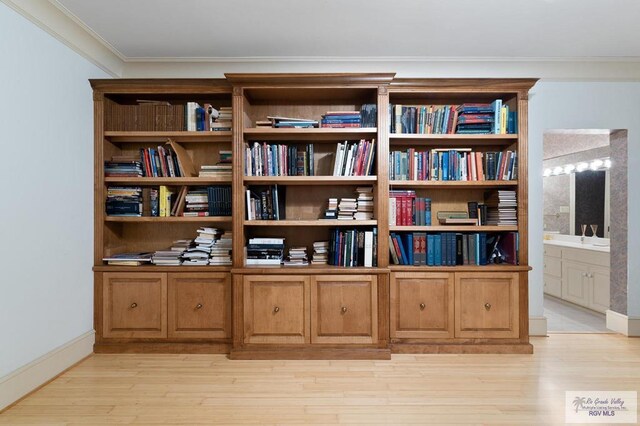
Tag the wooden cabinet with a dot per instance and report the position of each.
(276, 309)
(344, 309)
(422, 305)
(134, 305)
(486, 305)
(199, 305)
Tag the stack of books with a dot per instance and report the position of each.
(124, 201)
(297, 257)
(123, 166)
(365, 203)
(204, 244)
(320, 253)
(168, 257)
(278, 160)
(341, 119)
(222, 169)
(369, 115)
(196, 202)
(128, 259)
(288, 122)
(347, 208)
(221, 250)
(476, 118)
(501, 208)
(354, 158)
(224, 120)
(265, 251)
(332, 209)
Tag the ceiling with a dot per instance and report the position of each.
(183, 29)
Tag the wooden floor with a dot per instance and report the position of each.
(409, 389)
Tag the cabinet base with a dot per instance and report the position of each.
(161, 348)
(491, 348)
(311, 353)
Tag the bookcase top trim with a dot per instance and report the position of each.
(310, 78)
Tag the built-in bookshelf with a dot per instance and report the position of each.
(289, 148)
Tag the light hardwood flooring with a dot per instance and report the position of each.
(409, 389)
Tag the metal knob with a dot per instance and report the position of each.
(134, 305)
(276, 309)
(344, 309)
(422, 306)
(199, 306)
(487, 306)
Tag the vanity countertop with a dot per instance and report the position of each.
(587, 245)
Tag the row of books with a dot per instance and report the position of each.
(287, 122)
(452, 249)
(468, 118)
(297, 257)
(124, 201)
(366, 117)
(354, 158)
(461, 164)
(405, 209)
(278, 160)
(266, 202)
(353, 247)
(160, 162)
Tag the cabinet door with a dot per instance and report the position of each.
(344, 309)
(486, 305)
(134, 305)
(553, 286)
(599, 288)
(574, 282)
(199, 305)
(421, 305)
(276, 309)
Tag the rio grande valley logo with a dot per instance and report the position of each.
(601, 407)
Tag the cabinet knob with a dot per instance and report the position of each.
(590, 275)
(134, 305)
(199, 306)
(276, 309)
(487, 306)
(344, 309)
(422, 306)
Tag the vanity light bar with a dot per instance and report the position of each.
(597, 164)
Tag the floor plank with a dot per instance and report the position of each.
(408, 389)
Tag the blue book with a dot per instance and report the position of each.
(497, 107)
(512, 122)
(403, 255)
(444, 248)
(427, 211)
(477, 247)
(483, 248)
(445, 166)
(437, 250)
(430, 250)
(453, 245)
(409, 248)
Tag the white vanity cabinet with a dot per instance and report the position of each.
(577, 275)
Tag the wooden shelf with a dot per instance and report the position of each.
(166, 180)
(310, 180)
(310, 269)
(155, 268)
(436, 184)
(451, 139)
(460, 268)
(170, 219)
(312, 222)
(178, 136)
(313, 134)
(453, 228)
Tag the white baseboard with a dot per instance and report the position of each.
(537, 326)
(18, 383)
(621, 323)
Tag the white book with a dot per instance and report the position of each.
(250, 214)
(392, 211)
(347, 166)
(336, 161)
(368, 248)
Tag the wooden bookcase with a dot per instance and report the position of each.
(315, 311)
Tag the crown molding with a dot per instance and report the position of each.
(53, 18)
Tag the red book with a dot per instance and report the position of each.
(398, 210)
(397, 248)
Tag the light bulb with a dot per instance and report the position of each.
(596, 164)
(569, 168)
(607, 163)
(547, 172)
(557, 171)
(582, 167)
